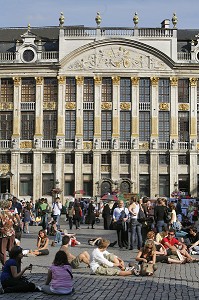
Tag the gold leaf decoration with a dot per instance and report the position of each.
(17, 81)
(70, 105)
(6, 106)
(125, 106)
(106, 105)
(154, 80)
(164, 106)
(183, 106)
(105, 168)
(98, 80)
(144, 146)
(39, 80)
(174, 81)
(79, 80)
(61, 79)
(26, 144)
(4, 168)
(49, 105)
(88, 145)
(193, 81)
(135, 80)
(116, 80)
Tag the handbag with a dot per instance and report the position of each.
(146, 269)
(141, 216)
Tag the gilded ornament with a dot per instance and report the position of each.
(105, 168)
(26, 144)
(135, 19)
(39, 80)
(183, 106)
(154, 80)
(174, 20)
(98, 80)
(174, 81)
(125, 106)
(116, 80)
(88, 145)
(61, 19)
(70, 105)
(197, 146)
(98, 19)
(79, 80)
(4, 168)
(106, 105)
(193, 81)
(61, 79)
(144, 146)
(17, 81)
(164, 106)
(6, 106)
(135, 80)
(49, 105)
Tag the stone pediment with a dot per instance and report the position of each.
(115, 57)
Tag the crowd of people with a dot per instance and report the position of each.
(160, 233)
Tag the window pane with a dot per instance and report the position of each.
(26, 185)
(70, 89)
(88, 125)
(106, 125)
(144, 185)
(164, 126)
(7, 90)
(50, 125)
(144, 90)
(27, 125)
(106, 89)
(164, 90)
(164, 185)
(125, 90)
(183, 90)
(183, 126)
(28, 90)
(144, 126)
(6, 123)
(50, 89)
(70, 125)
(5, 158)
(47, 184)
(88, 95)
(125, 126)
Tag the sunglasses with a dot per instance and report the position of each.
(172, 234)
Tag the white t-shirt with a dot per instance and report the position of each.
(98, 259)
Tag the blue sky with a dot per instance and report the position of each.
(19, 13)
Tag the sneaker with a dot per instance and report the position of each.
(137, 270)
(129, 268)
(193, 252)
(38, 288)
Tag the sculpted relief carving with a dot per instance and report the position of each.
(116, 57)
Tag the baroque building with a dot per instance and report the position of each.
(99, 109)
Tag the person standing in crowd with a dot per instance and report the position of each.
(179, 210)
(135, 224)
(26, 215)
(56, 211)
(70, 214)
(160, 214)
(147, 223)
(59, 279)
(12, 278)
(91, 214)
(77, 214)
(16, 204)
(106, 215)
(120, 216)
(7, 232)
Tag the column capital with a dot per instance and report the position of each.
(98, 80)
(193, 81)
(79, 80)
(61, 79)
(154, 80)
(116, 80)
(39, 80)
(135, 80)
(17, 81)
(174, 81)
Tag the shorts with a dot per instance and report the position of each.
(75, 263)
(102, 270)
(43, 252)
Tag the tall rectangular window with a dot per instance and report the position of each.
(164, 185)
(88, 158)
(106, 125)
(164, 159)
(144, 159)
(164, 90)
(27, 125)
(106, 89)
(49, 125)
(47, 184)
(26, 185)
(28, 90)
(144, 90)
(26, 158)
(48, 158)
(70, 125)
(125, 126)
(50, 90)
(88, 94)
(183, 90)
(125, 90)
(7, 90)
(144, 126)
(106, 159)
(88, 125)
(70, 89)
(69, 158)
(5, 158)
(183, 126)
(144, 181)
(164, 126)
(125, 158)
(6, 123)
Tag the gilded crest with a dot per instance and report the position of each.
(4, 168)
(164, 106)
(193, 81)
(79, 80)
(183, 106)
(106, 105)
(116, 80)
(144, 146)
(26, 144)
(154, 80)
(98, 80)
(105, 168)
(39, 80)
(49, 105)
(135, 80)
(61, 79)
(6, 106)
(174, 81)
(17, 81)
(70, 105)
(125, 106)
(88, 145)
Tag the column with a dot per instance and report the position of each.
(39, 112)
(59, 172)
(61, 108)
(96, 171)
(37, 173)
(174, 112)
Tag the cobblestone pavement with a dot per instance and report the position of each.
(171, 282)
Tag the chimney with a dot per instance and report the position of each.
(165, 23)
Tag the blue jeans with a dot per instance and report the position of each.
(56, 218)
(136, 233)
(160, 225)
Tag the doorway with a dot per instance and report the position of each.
(4, 185)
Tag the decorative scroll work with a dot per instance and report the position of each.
(117, 58)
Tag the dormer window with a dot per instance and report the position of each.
(28, 55)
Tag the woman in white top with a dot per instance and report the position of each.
(120, 216)
(135, 225)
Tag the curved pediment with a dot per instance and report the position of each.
(116, 54)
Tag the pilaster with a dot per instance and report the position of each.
(16, 107)
(79, 108)
(61, 106)
(135, 107)
(174, 108)
(154, 173)
(116, 107)
(37, 171)
(78, 170)
(96, 171)
(59, 172)
(154, 108)
(39, 107)
(173, 169)
(97, 108)
(135, 170)
(193, 109)
(193, 173)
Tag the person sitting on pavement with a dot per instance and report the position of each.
(193, 237)
(96, 241)
(172, 245)
(42, 244)
(59, 279)
(147, 254)
(74, 261)
(106, 263)
(12, 279)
